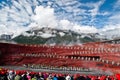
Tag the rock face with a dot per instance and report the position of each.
(89, 56)
(63, 37)
(54, 36)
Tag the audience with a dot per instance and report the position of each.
(6, 74)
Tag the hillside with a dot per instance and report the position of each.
(53, 36)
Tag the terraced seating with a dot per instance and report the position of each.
(92, 55)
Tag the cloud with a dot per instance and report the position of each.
(117, 4)
(110, 27)
(15, 17)
(76, 11)
(105, 13)
(20, 16)
(115, 17)
(84, 29)
(69, 9)
(112, 23)
(95, 10)
(63, 14)
(44, 17)
(65, 24)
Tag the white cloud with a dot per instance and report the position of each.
(117, 4)
(111, 31)
(45, 17)
(115, 17)
(65, 24)
(113, 20)
(70, 8)
(20, 13)
(110, 27)
(76, 11)
(104, 13)
(84, 29)
(96, 7)
(13, 19)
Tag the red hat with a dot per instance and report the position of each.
(18, 72)
(2, 72)
(32, 73)
(61, 75)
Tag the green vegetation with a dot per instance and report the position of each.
(66, 39)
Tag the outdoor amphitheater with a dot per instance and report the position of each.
(97, 60)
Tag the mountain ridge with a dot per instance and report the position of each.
(52, 36)
(46, 35)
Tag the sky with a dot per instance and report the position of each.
(88, 16)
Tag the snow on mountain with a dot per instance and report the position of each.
(61, 33)
(47, 35)
(44, 32)
(109, 34)
(52, 36)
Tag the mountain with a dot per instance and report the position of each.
(5, 37)
(53, 36)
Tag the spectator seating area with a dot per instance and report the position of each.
(8, 74)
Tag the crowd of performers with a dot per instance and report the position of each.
(7, 74)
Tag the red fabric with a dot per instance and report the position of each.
(102, 77)
(93, 77)
(76, 75)
(118, 76)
